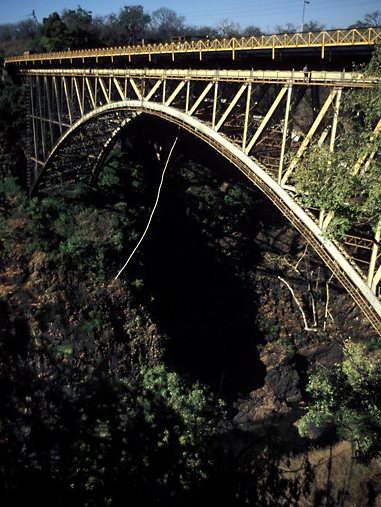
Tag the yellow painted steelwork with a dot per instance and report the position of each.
(325, 39)
(262, 121)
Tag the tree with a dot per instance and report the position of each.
(81, 32)
(26, 29)
(7, 31)
(166, 23)
(252, 30)
(348, 396)
(287, 28)
(371, 19)
(228, 29)
(313, 26)
(135, 21)
(12, 127)
(53, 34)
(310, 26)
(108, 30)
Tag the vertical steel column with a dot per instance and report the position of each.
(32, 85)
(29, 135)
(49, 107)
(373, 258)
(164, 90)
(58, 104)
(187, 97)
(285, 132)
(215, 98)
(41, 118)
(68, 102)
(247, 116)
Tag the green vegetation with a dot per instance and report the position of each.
(97, 441)
(100, 422)
(348, 397)
(92, 413)
(12, 124)
(347, 181)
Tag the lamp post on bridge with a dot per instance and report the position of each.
(304, 8)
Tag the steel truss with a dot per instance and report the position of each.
(323, 40)
(271, 118)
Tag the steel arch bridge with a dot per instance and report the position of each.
(262, 121)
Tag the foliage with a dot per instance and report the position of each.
(221, 208)
(127, 27)
(287, 28)
(200, 414)
(372, 19)
(91, 417)
(310, 26)
(228, 29)
(12, 106)
(53, 34)
(348, 396)
(166, 23)
(87, 438)
(313, 26)
(325, 181)
(81, 32)
(252, 30)
(135, 21)
(12, 127)
(347, 181)
(77, 228)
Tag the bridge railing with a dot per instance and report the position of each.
(326, 38)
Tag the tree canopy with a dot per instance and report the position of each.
(348, 397)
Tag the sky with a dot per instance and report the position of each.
(263, 13)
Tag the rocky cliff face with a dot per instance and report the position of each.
(304, 316)
(222, 289)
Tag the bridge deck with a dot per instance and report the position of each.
(355, 37)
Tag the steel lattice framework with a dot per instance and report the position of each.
(263, 122)
(352, 38)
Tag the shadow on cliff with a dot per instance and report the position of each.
(198, 301)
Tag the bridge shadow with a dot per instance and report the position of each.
(196, 295)
(203, 308)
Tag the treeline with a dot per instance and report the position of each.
(78, 29)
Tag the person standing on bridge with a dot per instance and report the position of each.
(305, 72)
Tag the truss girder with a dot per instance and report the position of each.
(353, 37)
(73, 118)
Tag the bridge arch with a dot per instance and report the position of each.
(330, 252)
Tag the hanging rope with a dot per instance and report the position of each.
(152, 212)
